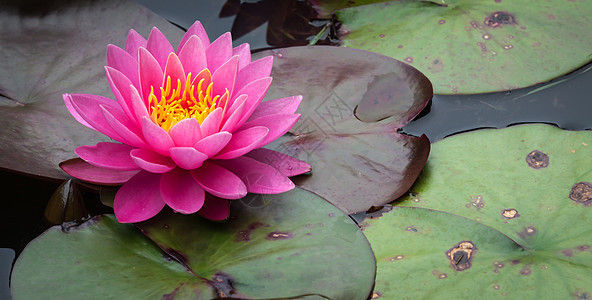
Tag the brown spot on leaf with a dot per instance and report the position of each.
(515, 261)
(581, 192)
(528, 231)
(395, 258)
(223, 283)
(510, 213)
(496, 287)
(476, 202)
(583, 247)
(567, 252)
(582, 295)
(537, 159)
(411, 228)
(245, 235)
(525, 271)
(409, 59)
(376, 295)
(498, 18)
(439, 274)
(381, 35)
(442, 22)
(277, 235)
(461, 255)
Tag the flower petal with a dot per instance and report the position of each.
(186, 133)
(125, 128)
(244, 51)
(181, 192)
(211, 124)
(259, 177)
(139, 109)
(212, 144)
(159, 47)
(258, 69)
(120, 87)
(215, 209)
(187, 158)
(287, 105)
(174, 69)
(219, 182)
(150, 75)
(242, 142)
(278, 125)
(138, 199)
(195, 29)
(219, 51)
(225, 76)
(112, 156)
(286, 164)
(87, 108)
(156, 137)
(84, 171)
(231, 119)
(193, 56)
(152, 161)
(133, 43)
(124, 62)
(255, 92)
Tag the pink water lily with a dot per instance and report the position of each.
(190, 125)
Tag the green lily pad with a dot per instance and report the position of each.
(427, 254)
(49, 49)
(275, 246)
(529, 184)
(353, 104)
(475, 46)
(324, 8)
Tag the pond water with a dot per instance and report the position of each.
(565, 102)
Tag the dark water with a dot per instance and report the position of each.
(566, 102)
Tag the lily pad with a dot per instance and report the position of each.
(324, 8)
(274, 246)
(50, 49)
(427, 254)
(530, 184)
(353, 104)
(475, 46)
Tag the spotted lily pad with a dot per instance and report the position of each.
(49, 49)
(274, 246)
(530, 185)
(475, 46)
(353, 104)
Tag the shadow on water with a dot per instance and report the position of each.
(565, 101)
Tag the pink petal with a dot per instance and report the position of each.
(215, 209)
(219, 51)
(242, 142)
(133, 43)
(225, 76)
(195, 29)
(159, 46)
(137, 104)
(120, 86)
(212, 144)
(187, 158)
(259, 177)
(278, 125)
(84, 171)
(138, 199)
(108, 155)
(232, 118)
(186, 133)
(156, 137)
(211, 124)
(124, 62)
(193, 56)
(174, 69)
(152, 161)
(88, 108)
(244, 51)
(68, 101)
(219, 182)
(286, 164)
(181, 192)
(287, 105)
(124, 127)
(150, 75)
(258, 69)
(255, 91)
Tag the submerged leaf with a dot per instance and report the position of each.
(353, 104)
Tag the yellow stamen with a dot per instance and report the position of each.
(179, 103)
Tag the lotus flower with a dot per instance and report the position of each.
(190, 124)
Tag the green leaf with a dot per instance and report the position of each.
(275, 246)
(475, 46)
(353, 104)
(50, 49)
(529, 188)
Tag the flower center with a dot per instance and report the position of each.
(184, 101)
